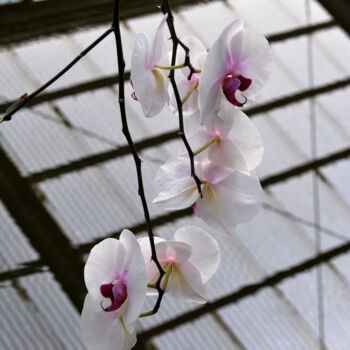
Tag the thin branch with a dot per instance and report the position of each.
(176, 42)
(25, 99)
(121, 69)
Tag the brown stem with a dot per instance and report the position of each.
(121, 69)
(25, 99)
(176, 42)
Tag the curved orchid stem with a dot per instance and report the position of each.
(205, 146)
(176, 42)
(190, 91)
(137, 160)
(165, 280)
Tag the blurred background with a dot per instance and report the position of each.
(67, 179)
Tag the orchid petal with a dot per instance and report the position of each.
(106, 258)
(184, 85)
(227, 154)
(208, 209)
(247, 138)
(205, 255)
(215, 68)
(174, 252)
(159, 44)
(152, 271)
(135, 278)
(178, 195)
(150, 84)
(103, 330)
(185, 283)
(239, 198)
(251, 56)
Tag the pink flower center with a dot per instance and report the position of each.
(233, 82)
(116, 291)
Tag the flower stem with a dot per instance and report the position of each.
(189, 92)
(205, 146)
(165, 280)
(178, 66)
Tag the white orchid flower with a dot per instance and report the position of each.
(230, 140)
(237, 67)
(230, 197)
(115, 278)
(190, 260)
(148, 80)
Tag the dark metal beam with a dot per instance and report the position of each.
(41, 230)
(102, 157)
(30, 20)
(340, 10)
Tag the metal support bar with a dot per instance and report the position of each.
(41, 230)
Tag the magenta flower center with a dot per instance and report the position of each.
(116, 291)
(233, 82)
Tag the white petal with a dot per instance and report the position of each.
(184, 85)
(136, 279)
(215, 68)
(152, 271)
(205, 255)
(159, 52)
(178, 195)
(214, 173)
(198, 53)
(247, 138)
(227, 154)
(175, 187)
(209, 211)
(176, 252)
(103, 330)
(185, 283)
(150, 84)
(251, 53)
(196, 141)
(239, 198)
(106, 260)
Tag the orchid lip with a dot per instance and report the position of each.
(232, 83)
(116, 291)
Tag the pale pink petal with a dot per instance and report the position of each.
(184, 85)
(177, 195)
(136, 279)
(227, 154)
(239, 198)
(150, 84)
(208, 210)
(102, 330)
(205, 255)
(159, 49)
(174, 252)
(198, 53)
(214, 173)
(185, 283)
(216, 66)
(152, 271)
(192, 123)
(175, 187)
(196, 141)
(247, 138)
(106, 260)
(251, 56)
